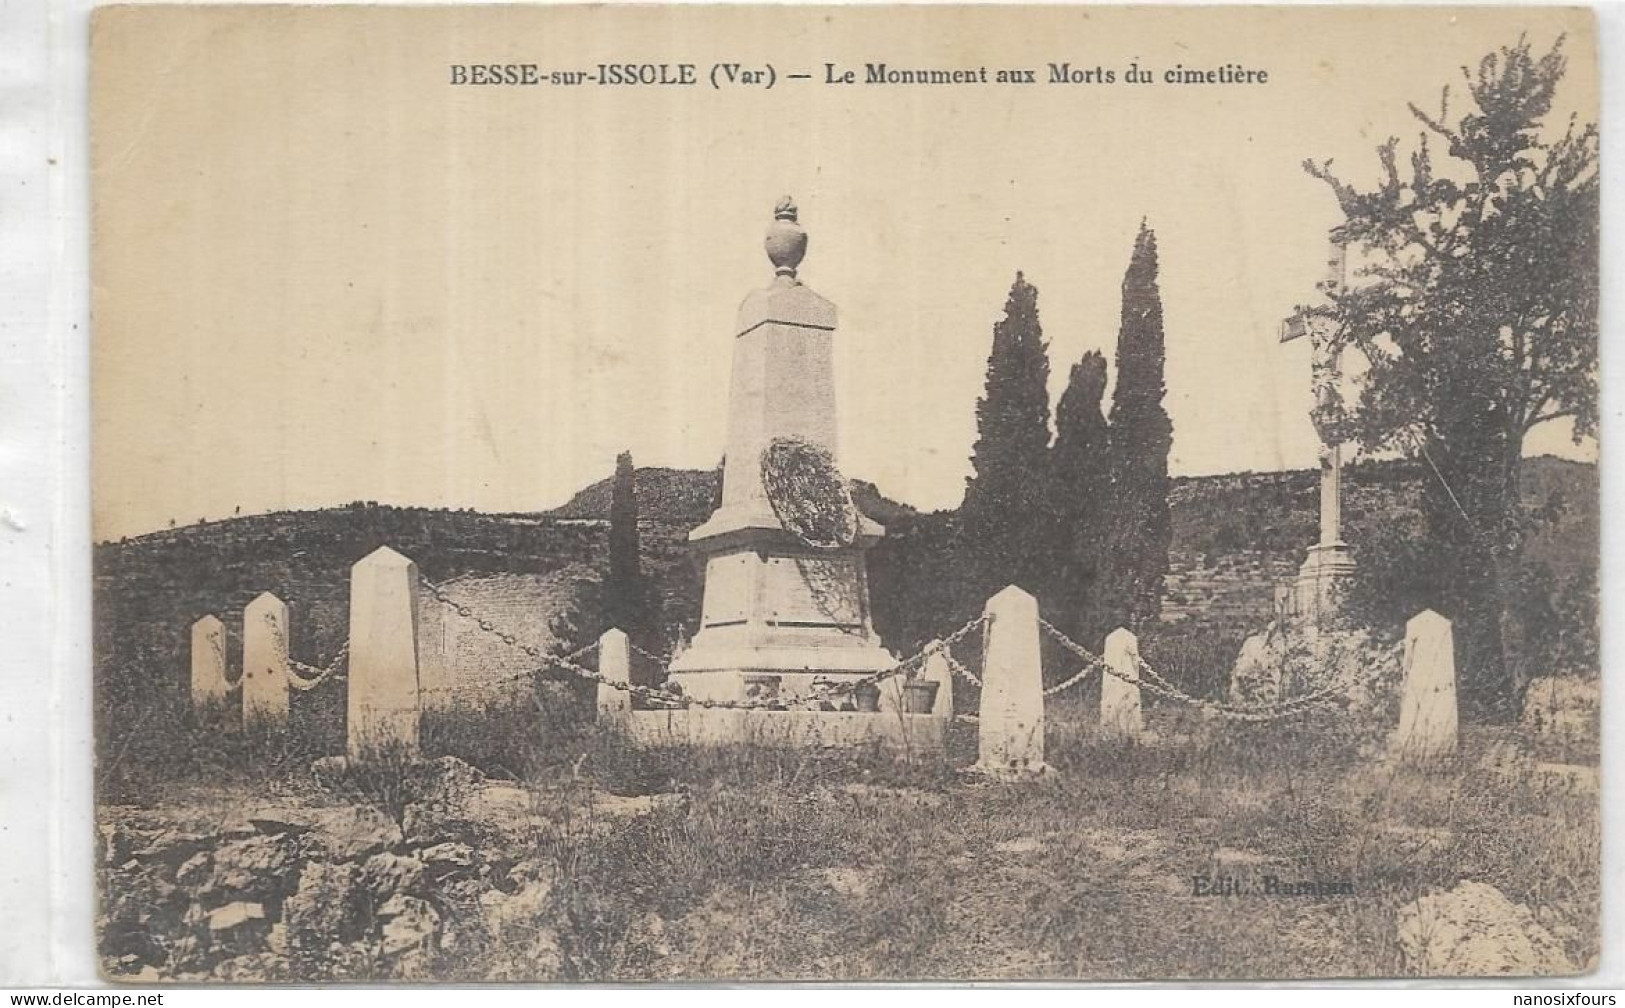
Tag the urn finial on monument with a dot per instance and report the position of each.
(786, 240)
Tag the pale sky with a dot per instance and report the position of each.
(322, 274)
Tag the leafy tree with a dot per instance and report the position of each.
(1141, 436)
(1001, 516)
(1476, 304)
(1080, 489)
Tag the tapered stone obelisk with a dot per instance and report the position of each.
(209, 685)
(1120, 715)
(773, 605)
(382, 704)
(1010, 735)
(1427, 708)
(265, 662)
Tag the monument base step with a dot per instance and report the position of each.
(895, 732)
(792, 685)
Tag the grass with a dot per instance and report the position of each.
(776, 864)
(803, 866)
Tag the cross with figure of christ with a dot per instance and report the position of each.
(1318, 324)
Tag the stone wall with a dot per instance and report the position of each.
(1233, 591)
(463, 665)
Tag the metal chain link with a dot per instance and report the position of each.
(961, 671)
(955, 667)
(661, 660)
(1157, 684)
(1152, 681)
(960, 634)
(317, 676)
(218, 646)
(1091, 661)
(1083, 674)
(485, 625)
(532, 674)
(582, 651)
(943, 646)
(560, 662)
(1147, 678)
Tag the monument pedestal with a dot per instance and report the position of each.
(777, 615)
(1320, 596)
(1321, 592)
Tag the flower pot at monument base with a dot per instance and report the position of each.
(762, 688)
(920, 696)
(867, 697)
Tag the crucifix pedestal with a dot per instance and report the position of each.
(1321, 592)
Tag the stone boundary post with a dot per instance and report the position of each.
(209, 685)
(614, 664)
(382, 708)
(1011, 728)
(1427, 707)
(937, 670)
(265, 663)
(1120, 701)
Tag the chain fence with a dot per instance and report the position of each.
(301, 676)
(314, 677)
(660, 660)
(218, 645)
(1150, 680)
(305, 677)
(958, 668)
(823, 692)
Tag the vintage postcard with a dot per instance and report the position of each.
(795, 493)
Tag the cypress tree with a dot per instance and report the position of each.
(1002, 524)
(1141, 436)
(626, 599)
(1080, 488)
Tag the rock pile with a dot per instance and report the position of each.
(1283, 662)
(1475, 930)
(1563, 708)
(328, 892)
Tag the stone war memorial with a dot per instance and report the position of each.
(786, 608)
(1135, 527)
(786, 591)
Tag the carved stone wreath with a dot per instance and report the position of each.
(808, 495)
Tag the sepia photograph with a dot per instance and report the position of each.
(764, 494)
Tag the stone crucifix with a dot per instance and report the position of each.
(1323, 579)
